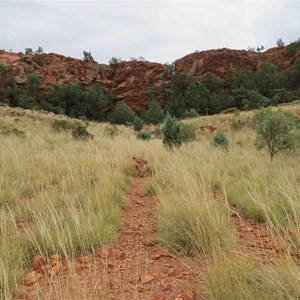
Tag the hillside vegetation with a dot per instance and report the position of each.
(205, 83)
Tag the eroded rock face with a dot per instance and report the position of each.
(128, 80)
(222, 62)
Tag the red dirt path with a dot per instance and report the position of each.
(134, 268)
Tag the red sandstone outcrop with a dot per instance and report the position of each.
(222, 62)
(129, 80)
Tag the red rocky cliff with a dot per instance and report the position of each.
(222, 62)
(129, 80)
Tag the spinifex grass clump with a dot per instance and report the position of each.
(188, 215)
(236, 278)
(172, 134)
(144, 135)
(220, 140)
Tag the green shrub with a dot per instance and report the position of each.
(154, 114)
(276, 130)
(172, 133)
(87, 56)
(138, 123)
(144, 135)
(188, 132)
(220, 140)
(114, 62)
(80, 132)
(122, 114)
(191, 113)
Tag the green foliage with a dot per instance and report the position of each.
(294, 76)
(39, 50)
(275, 130)
(28, 51)
(96, 103)
(172, 133)
(280, 43)
(72, 100)
(191, 113)
(187, 132)
(138, 123)
(121, 114)
(154, 113)
(27, 102)
(114, 62)
(79, 132)
(213, 83)
(293, 47)
(171, 67)
(144, 135)
(254, 100)
(220, 140)
(87, 56)
(8, 90)
(33, 84)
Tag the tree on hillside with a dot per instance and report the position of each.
(280, 43)
(39, 50)
(28, 51)
(276, 130)
(87, 56)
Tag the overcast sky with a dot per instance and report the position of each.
(159, 31)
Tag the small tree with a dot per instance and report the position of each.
(87, 56)
(39, 50)
(115, 61)
(280, 43)
(220, 140)
(275, 130)
(172, 133)
(122, 114)
(28, 51)
(154, 113)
